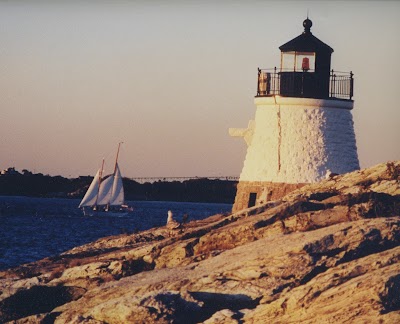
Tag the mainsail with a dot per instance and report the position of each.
(111, 190)
(105, 190)
(117, 193)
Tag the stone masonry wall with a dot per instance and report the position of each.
(265, 191)
(300, 140)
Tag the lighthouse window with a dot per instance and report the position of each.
(298, 61)
(288, 61)
(252, 199)
(305, 62)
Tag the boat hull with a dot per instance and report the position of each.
(102, 213)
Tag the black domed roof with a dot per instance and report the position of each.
(306, 42)
(307, 24)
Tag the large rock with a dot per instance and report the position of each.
(326, 253)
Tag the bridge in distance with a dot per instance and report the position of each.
(181, 179)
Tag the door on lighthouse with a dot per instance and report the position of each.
(252, 199)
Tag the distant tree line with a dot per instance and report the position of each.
(196, 190)
(39, 185)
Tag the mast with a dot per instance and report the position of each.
(116, 158)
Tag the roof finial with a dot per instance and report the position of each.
(307, 25)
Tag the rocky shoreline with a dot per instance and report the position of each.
(325, 253)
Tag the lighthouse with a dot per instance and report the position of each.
(303, 127)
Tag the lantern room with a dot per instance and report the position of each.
(305, 65)
(305, 71)
(299, 54)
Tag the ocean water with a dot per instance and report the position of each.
(35, 228)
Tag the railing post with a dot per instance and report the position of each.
(334, 83)
(351, 84)
(258, 82)
(275, 84)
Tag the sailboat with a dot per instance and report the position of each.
(105, 195)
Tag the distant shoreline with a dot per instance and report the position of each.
(195, 190)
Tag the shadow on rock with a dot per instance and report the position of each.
(214, 302)
(36, 300)
(391, 295)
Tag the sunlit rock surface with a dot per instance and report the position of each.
(326, 253)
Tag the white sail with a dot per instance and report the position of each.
(117, 193)
(105, 190)
(90, 197)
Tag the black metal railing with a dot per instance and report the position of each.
(341, 85)
(308, 84)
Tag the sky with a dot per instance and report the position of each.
(169, 78)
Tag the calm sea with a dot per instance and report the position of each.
(35, 228)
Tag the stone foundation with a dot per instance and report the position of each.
(253, 193)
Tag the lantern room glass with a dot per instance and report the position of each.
(298, 61)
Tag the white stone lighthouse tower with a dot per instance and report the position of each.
(303, 127)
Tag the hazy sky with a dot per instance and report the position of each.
(170, 77)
